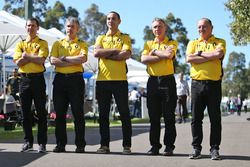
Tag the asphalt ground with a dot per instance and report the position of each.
(235, 148)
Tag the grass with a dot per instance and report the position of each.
(18, 132)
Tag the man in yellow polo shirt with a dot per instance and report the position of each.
(29, 56)
(113, 49)
(206, 55)
(68, 55)
(158, 55)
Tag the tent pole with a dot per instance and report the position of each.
(4, 83)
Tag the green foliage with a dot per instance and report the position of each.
(53, 16)
(71, 12)
(240, 26)
(235, 80)
(94, 22)
(136, 55)
(16, 7)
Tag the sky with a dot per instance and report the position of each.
(136, 14)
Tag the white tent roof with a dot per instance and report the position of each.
(9, 34)
(8, 28)
(57, 32)
(50, 37)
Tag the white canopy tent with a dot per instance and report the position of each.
(43, 33)
(18, 32)
(57, 32)
(9, 34)
(137, 73)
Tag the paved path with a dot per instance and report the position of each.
(235, 149)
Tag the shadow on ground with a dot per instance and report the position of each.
(17, 159)
(92, 135)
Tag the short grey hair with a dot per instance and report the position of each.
(160, 20)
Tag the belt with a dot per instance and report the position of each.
(69, 74)
(205, 81)
(28, 75)
(162, 77)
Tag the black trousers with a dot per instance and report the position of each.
(33, 88)
(161, 101)
(206, 94)
(104, 92)
(69, 89)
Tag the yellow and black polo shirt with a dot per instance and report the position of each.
(163, 67)
(211, 70)
(36, 46)
(69, 48)
(111, 69)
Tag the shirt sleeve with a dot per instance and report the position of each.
(174, 44)
(18, 51)
(127, 43)
(54, 50)
(84, 49)
(222, 45)
(98, 41)
(190, 48)
(146, 49)
(44, 49)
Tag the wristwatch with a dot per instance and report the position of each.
(199, 53)
(154, 51)
(63, 58)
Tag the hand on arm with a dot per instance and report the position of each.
(205, 56)
(75, 59)
(99, 52)
(147, 59)
(59, 61)
(122, 55)
(216, 54)
(34, 58)
(21, 61)
(168, 53)
(195, 58)
(157, 55)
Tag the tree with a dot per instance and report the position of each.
(177, 31)
(54, 16)
(234, 80)
(72, 12)
(246, 81)
(94, 22)
(16, 7)
(240, 26)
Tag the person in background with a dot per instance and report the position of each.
(239, 103)
(13, 84)
(30, 55)
(245, 105)
(135, 98)
(8, 97)
(68, 55)
(158, 55)
(205, 55)
(113, 49)
(182, 93)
